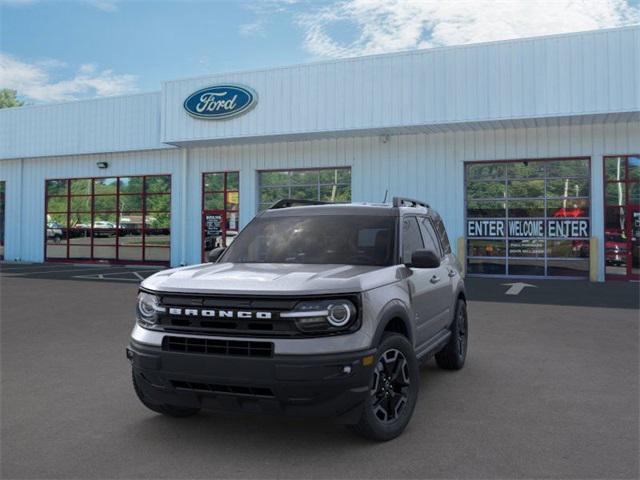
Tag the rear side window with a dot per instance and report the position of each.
(429, 235)
(411, 238)
(442, 233)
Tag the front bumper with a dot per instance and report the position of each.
(332, 385)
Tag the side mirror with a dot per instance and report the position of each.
(424, 259)
(214, 254)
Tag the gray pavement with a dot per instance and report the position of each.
(549, 391)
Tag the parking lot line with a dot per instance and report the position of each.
(58, 270)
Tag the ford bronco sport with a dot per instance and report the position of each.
(314, 309)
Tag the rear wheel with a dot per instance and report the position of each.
(454, 354)
(393, 390)
(164, 409)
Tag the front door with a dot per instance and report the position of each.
(622, 217)
(220, 202)
(213, 231)
(428, 286)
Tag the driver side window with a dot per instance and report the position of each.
(429, 235)
(411, 238)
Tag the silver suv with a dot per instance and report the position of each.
(314, 309)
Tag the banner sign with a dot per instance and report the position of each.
(528, 228)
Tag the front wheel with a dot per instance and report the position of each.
(393, 390)
(454, 353)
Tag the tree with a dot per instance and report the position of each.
(8, 98)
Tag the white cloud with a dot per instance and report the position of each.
(34, 80)
(391, 25)
(252, 29)
(104, 5)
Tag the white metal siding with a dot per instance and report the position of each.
(113, 124)
(25, 196)
(426, 166)
(558, 76)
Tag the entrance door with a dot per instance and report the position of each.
(220, 202)
(622, 217)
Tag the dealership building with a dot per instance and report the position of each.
(529, 149)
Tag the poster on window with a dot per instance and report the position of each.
(212, 231)
(528, 228)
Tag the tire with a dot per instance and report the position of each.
(394, 390)
(454, 354)
(164, 409)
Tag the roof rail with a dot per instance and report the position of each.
(409, 202)
(292, 202)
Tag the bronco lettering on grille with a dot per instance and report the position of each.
(194, 312)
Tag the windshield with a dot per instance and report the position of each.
(341, 239)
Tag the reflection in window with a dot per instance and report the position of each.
(521, 195)
(327, 185)
(525, 208)
(112, 219)
(486, 248)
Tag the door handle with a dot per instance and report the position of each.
(452, 273)
(435, 279)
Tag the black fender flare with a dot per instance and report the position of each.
(393, 309)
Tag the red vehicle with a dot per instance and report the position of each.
(615, 247)
(569, 212)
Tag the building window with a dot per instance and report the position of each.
(528, 218)
(220, 205)
(116, 219)
(326, 184)
(622, 217)
(2, 187)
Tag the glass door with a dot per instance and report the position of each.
(220, 203)
(622, 217)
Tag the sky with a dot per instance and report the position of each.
(54, 50)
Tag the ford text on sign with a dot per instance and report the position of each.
(220, 101)
(525, 228)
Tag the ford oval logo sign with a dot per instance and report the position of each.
(220, 102)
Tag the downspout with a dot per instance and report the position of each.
(22, 224)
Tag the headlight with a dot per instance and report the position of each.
(324, 316)
(148, 309)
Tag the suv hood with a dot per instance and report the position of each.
(271, 278)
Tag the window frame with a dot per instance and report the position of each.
(145, 248)
(628, 208)
(260, 186)
(506, 178)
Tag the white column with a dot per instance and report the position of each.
(597, 211)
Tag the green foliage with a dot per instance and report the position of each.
(8, 98)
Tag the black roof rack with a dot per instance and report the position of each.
(292, 202)
(408, 202)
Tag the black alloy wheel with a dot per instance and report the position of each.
(390, 389)
(393, 391)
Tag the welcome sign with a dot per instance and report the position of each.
(220, 102)
(528, 228)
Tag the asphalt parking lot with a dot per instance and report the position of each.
(550, 390)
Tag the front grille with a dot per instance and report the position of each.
(211, 346)
(229, 389)
(227, 315)
(274, 326)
